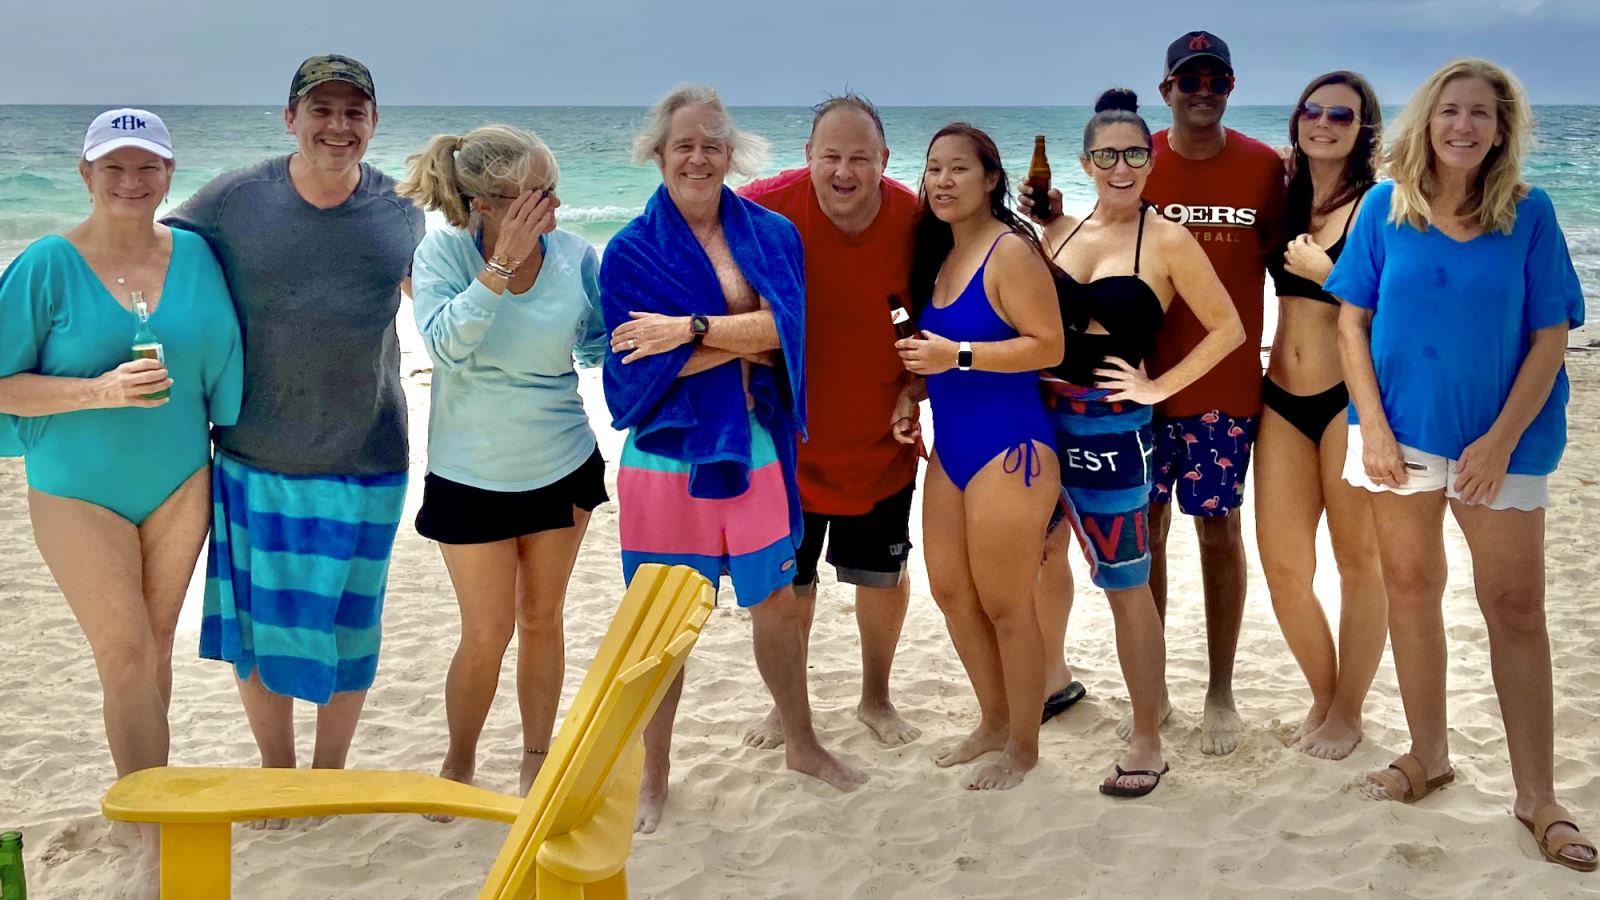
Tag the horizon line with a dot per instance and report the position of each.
(1592, 104)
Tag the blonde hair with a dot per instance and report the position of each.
(747, 153)
(493, 159)
(1492, 200)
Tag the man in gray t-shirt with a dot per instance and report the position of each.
(309, 486)
(317, 291)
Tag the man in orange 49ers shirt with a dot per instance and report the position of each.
(1228, 190)
(856, 480)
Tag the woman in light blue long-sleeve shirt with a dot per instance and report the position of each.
(505, 303)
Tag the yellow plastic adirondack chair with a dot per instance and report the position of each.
(582, 801)
(578, 847)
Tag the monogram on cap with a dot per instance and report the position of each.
(118, 128)
(1199, 46)
(331, 67)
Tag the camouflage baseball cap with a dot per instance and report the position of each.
(332, 67)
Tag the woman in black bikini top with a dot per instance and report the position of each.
(1101, 400)
(1124, 306)
(1300, 448)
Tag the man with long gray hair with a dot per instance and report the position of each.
(705, 298)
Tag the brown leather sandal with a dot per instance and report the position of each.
(1540, 827)
(1417, 783)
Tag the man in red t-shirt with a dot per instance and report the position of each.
(1228, 189)
(856, 480)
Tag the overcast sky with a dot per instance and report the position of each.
(760, 52)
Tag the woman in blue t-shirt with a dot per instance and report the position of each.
(1459, 293)
(118, 450)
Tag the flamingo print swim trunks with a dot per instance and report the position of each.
(1202, 459)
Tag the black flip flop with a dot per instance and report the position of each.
(1116, 791)
(1057, 703)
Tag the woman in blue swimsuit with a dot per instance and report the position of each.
(118, 484)
(987, 311)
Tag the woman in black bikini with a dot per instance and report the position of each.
(1300, 450)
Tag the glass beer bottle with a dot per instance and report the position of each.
(1038, 181)
(902, 320)
(13, 883)
(145, 343)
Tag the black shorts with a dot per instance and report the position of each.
(869, 550)
(455, 513)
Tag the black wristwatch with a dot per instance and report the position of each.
(698, 326)
(964, 356)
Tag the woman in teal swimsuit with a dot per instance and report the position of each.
(118, 485)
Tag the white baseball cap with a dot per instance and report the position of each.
(118, 128)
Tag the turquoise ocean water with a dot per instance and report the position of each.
(40, 191)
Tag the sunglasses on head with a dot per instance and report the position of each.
(1106, 157)
(1337, 115)
(1190, 84)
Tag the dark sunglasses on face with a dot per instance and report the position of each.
(541, 192)
(1106, 157)
(1337, 115)
(1190, 84)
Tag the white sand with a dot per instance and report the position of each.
(1262, 822)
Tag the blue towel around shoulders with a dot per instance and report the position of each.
(655, 264)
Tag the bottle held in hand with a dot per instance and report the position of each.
(145, 343)
(1038, 181)
(902, 320)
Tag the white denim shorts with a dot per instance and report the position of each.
(1431, 472)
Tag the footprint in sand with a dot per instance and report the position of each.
(75, 839)
(1418, 856)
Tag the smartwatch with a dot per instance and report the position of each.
(698, 326)
(964, 356)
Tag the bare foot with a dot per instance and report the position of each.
(1220, 728)
(531, 764)
(652, 799)
(885, 723)
(125, 836)
(1125, 727)
(1314, 719)
(768, 735)
(984, 739)
(1139, 758)
(1336, 739)
(824, 766)
(1005, 773)
(453, 771)
(146, 881)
